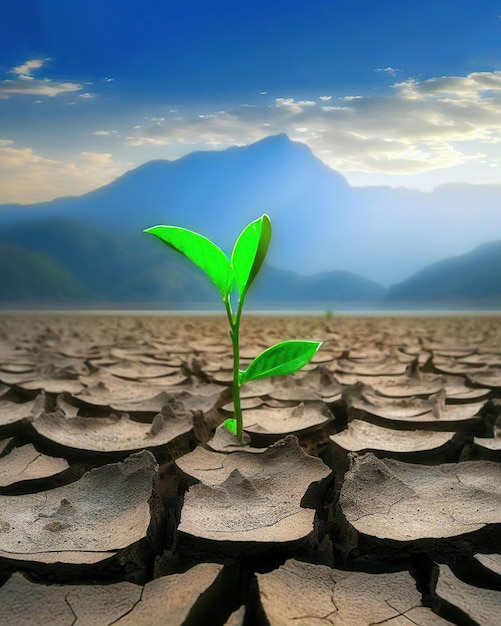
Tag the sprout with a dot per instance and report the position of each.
(239, 270)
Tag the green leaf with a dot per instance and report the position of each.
(231, 425)
(211, 259)
(282, 358)
(249, 252)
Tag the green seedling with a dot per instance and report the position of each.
(238, 272)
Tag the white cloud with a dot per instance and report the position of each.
(474, 86)
(25, 68)
(87, 95)
(44, 87)
(106, 133)
(146, 141)
(391, 71)
(325, 98)
(25, 84)
(27, 177)
(294, 106)
(332, 108)
(421, 126)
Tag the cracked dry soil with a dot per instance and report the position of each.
(368, 490)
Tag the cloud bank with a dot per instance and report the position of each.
(27, 177)
(445, 128)
(420, 126)
(25, 83)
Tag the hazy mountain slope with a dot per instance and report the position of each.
(140, 270)
(275, 285)
(32, 278)
(114, 267)
(472, 278)
(95, 256)
(214, 192)
(320, 223)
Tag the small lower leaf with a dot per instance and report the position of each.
(231, 425)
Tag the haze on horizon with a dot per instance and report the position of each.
(400, 94)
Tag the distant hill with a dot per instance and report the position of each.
(275, 285)
(114, 268)
(320, 222)
(33, 279)
(59, 260)
(65, 262)
(472, 279)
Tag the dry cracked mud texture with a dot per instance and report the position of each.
(113, 457)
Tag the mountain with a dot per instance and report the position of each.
(214, 193)
(470, 280)
(320, 223)
(64, 261)
(275, 285)
(30, 278)
(114, 268)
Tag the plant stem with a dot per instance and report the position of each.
(235, 340)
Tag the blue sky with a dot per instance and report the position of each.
(395, 92)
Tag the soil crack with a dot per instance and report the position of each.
(380, 512)
(32, 461)
(130, 610)
(316, 617)
(208, 469)
(66, 599)
(399, 614)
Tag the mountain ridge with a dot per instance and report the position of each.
(470, 278)
(319, 221)
(66, 263)
(141, 270)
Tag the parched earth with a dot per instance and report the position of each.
(367, 490)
